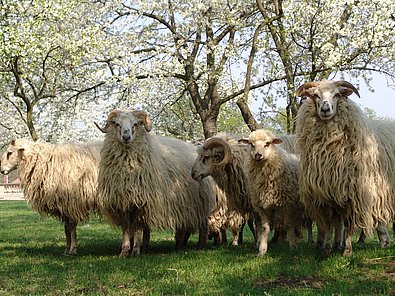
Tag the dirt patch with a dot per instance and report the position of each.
(295, 282)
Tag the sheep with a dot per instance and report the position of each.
(58, 180)
(272, 182)
(222, 157)
(223, 218)
(144, 179)
(347, 161)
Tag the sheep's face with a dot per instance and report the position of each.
(260, 144)
(10, 158)
(127, 124)
(326, 99)
(326, 95)
(205, 161)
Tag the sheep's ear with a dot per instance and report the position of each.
(146, 120)
(21, 153)
(244, 141)
(277, 141)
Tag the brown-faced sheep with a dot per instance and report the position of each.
(272, 182)
(144, 179)
(58, 180)
(347, 161)
(222, 158)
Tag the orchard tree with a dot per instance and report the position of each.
(51, 68)
(317, 40)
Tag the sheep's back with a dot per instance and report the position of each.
(61, 180)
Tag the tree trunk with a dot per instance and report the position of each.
(247, 115)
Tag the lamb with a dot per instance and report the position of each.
(222, 158)
(144, 179)
(272, 182)
(347, 161)
(58, 180)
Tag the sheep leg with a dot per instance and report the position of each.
(73, 236)
(339, 230)
(348, 232)
(291, 229)
(264, 235)
(224, 237)
(137, 240)
(362, 238)
(240, 234)
(382, 233)
(250, 224)
(70, 230)
(180, 239)
(67, 232)
(203, 236)
(235, 233)
(325, 233)
(146, 238)
(217, 238)
(125, 246)
(309, 227)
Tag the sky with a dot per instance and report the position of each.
(382, 100)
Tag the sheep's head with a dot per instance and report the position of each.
(212, 154)
(326, 94)
(126, 124)
(11, 157)
(260, 144)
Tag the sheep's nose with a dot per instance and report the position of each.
(126, 137)
(325, 107)
(258, 156)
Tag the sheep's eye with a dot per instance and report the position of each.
(114, 123)
(9, 155)
(205, 158)
(267, 144)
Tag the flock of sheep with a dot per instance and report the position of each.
(338, 171)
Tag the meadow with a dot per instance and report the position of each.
(31, 263)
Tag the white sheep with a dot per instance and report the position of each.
(222, 158)
(347, 161)
(272, 182)
(58, 180)
(144, 179)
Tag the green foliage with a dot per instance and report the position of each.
(32, 263)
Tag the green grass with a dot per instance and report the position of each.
(31, 263)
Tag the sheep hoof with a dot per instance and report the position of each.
(124, 254)
(347, 253)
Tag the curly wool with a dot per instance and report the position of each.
(232, 179)
(272, 182)
(61, 180)
(347, 163)
(153, 176)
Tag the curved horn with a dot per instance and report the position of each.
(218, 142)
(145, 117)
(109, 121)
(347, 85)
(302, 90)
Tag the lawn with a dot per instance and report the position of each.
(31, 263)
